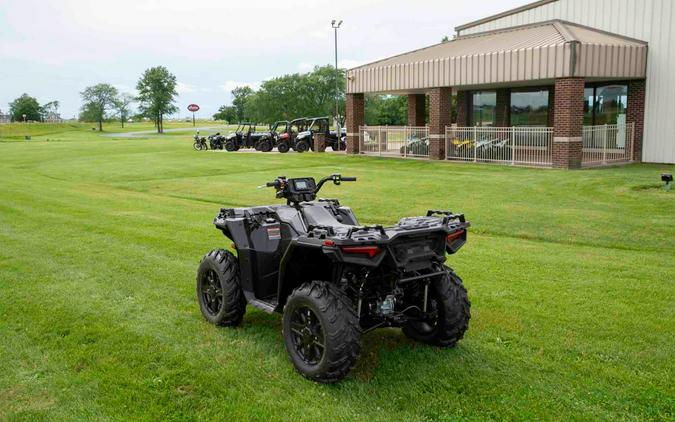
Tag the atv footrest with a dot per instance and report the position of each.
(268, 307)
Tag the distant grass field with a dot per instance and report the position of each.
(17, 131)
(571, 277)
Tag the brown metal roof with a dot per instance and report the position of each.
(544, 50)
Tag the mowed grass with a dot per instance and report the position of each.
(571, 277)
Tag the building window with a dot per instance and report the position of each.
(605, 104)
(529, 107)
(483, 105)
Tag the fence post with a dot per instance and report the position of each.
(513, 145)
(632, 140)
(475, 145)
(604, 145)
(379, 141)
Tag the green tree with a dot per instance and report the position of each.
(98, 100)
(25, 105)
(226, 113)
(50, 107)
(445, 39)
(386, 110)
(123, 106)
(157, 94)
(297, 95)
(240, 97)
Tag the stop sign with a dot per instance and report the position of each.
(193, 107)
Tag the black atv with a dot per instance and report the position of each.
(216, 141)
(334, 279)
(305, 140)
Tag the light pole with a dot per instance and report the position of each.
(338, 129)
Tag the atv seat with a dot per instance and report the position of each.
(319, 215)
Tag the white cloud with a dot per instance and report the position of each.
(183, 88)
(348, 63)
(305, 67)
(228, 86)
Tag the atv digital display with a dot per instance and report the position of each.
(302, 185)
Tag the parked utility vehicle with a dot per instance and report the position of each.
(334, 279)
(305, 140)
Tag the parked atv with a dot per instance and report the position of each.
(416, 147)
(305, 140)
(215, 141)
(199, 143)
(333, 279)
(286, 139)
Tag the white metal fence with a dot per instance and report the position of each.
(520, 145)
(604, 144)
(395, 141)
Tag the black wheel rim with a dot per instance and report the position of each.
(211, 292)
(307, 335)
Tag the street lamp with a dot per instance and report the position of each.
(338, 129)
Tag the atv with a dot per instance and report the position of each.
(334, 279)
(305, 140)
(216, 141)
(286, 139)
(246, 136)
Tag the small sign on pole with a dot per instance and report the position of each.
(193, 108)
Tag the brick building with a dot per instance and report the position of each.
(552, 93)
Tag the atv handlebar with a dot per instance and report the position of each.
(336, 178)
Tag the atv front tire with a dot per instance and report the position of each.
(283, 147)
(321, 332)
(302, 146)
(265, 146)
(230, 146)
(448, 297)
(219, 292)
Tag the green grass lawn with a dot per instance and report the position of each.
(571, 277)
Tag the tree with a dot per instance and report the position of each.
(157, 94)
(226, 113)
(239, 98)
(386, 110)
(123, 106)
(98, 100)
(296, 95)
(445, 39)
(25, 105)
(50, 107)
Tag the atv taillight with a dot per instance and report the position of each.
(454, 235)
(371, 251)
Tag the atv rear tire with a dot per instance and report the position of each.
(283, 147)
(448, 297)
(302, 146)
(321, 332)
(219, 292)
(265, 146)
(230, 146)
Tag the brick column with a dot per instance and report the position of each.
(439, 118)
(416, 109)
(503, 108)
(462, 108)
(567, 122)
(319, 142)
(635, 113)
(355, 117)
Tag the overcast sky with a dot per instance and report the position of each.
(54, 49)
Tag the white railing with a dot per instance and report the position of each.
(395, 141)
(604, 144)
(530, 146)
